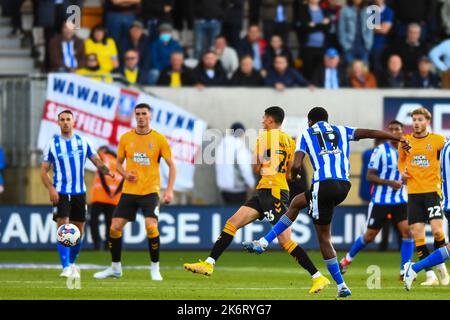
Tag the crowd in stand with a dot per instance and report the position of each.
(336, 46)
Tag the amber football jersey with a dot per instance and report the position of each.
(275, 150)
(143, 153)
(422, 163)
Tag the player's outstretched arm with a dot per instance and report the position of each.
(378, 134)
(101, 166)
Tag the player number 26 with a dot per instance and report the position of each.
(269, 215)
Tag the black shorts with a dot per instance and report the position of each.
(323, 197)
(71, 206)
(268, 206)
(129, 204)
(424, 207)
(378, 214)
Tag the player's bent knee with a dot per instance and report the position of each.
(438, 235)
(152, 232)
(115, 234)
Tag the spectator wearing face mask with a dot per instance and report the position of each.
(161, 51)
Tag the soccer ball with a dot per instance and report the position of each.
(68, 235)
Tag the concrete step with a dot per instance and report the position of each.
(18, 72)
(16, 63)
(6, 42)
(5, 21)
(5, 31)
(14, 52)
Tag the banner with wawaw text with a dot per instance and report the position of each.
(103, 112)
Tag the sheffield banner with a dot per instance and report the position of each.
(400, 109)
(103, 112)
(183, 228)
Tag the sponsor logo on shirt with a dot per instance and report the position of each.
(141, 158)
(421, 161)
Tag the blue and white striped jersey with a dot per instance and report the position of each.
(68, 158)
(328, 148)
(384, 159)
(445, 174)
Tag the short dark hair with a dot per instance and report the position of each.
(276, 113)
(317, 114)
(396, 122)
(143, 106)
(65, 111)
(221, 36)
(99, 27)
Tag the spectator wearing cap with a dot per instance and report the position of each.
(254, 45)
(119, 16)
(66, 50)
(410, 50)
(139, 41)
(281, 76)
(177, 74)
(394, 77)
(440, 55)
(131, 70)
(154, 13)
(355, 36)
(227, 55)
(208, 18)
(423, 78)
(104, 47)
(160, 51)
(209, 72)
(312, 24)
(360, 76)
(246, 75)
(330, 75)
(233, 164)
(380, 37)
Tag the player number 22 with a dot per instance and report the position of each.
(434, 211)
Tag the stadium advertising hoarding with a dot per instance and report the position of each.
(183, 228)
(400, 109)
(103, 112)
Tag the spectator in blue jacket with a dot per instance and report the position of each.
(2, 166)
(161, 50)
(282, 76)
(355, 36)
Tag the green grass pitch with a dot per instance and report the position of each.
(238, 275)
